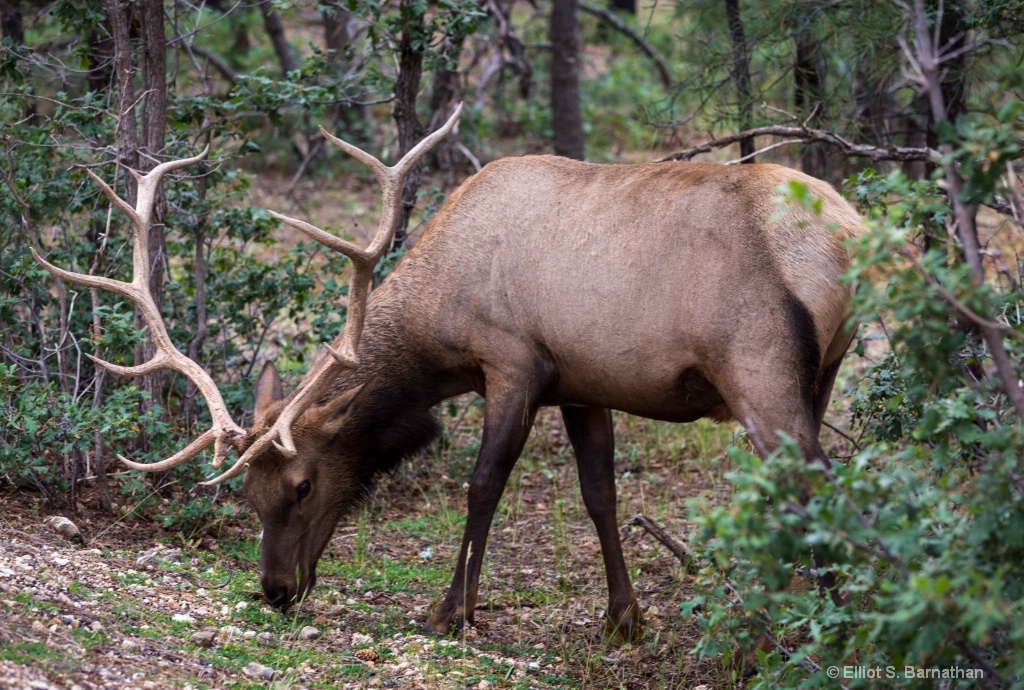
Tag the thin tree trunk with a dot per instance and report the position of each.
(741, 75)
(118, 21)
(275, 29)
(97, 402)
(876, 108)
(153, 112)
(952, 84)
(809, 97)
(566, 118)
(445, 94)
(100, 59)
(340, 27)
(195, 348)
(410, 129)
(935, 84)
(11, 25)
(154, 129)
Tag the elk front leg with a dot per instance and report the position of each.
(590, 432)
(508, 418)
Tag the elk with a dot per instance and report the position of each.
(672, 291)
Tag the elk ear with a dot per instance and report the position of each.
(269, 391)
(333, 416)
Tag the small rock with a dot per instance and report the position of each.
(130, 646)
(360, 638)
(146, 559)
(229, 631)
(267, 639)
(368, 655)
(204, 638)
(64, 527)
(309, 633)
(483, 685)
(259, 671)
(95, 626)
(183, 618)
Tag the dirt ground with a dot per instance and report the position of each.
(90, 614)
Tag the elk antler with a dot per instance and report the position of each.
(224, 432)
(363, 262)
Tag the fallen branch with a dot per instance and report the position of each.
(807, 135)
(622, 27)
(677, 548)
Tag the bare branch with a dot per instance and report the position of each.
(960, 307)
(625, 29)
(807, 135)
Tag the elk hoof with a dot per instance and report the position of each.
(442, 623)
(626, 629)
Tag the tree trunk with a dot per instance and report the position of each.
(340, 27)
(154, 129)
(446, 92)
(275, 29)
(953, 85)
(410, 129)
(876, 108)
(566, 118)
(11, 25)
(154, 107)
(741, 75)
(809, 97)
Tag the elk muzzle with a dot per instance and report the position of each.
(289, 568)
(281, 593)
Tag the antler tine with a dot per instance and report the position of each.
(224, 430)
(430, 141)
(157, 173)
(123, 205)
(319, 378)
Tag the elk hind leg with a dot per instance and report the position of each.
(590, 432)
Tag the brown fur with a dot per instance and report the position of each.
(663, 290)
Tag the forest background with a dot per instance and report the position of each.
(912, 109)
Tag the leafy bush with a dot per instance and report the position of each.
(923, 526)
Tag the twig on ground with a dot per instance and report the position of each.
(677, 548)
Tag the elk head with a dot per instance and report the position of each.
(298, 496)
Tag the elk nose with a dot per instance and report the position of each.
(276, 595)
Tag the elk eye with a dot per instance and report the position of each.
(302, 489)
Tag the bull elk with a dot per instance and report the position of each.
(669, 290)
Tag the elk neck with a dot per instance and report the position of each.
(394, 420)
